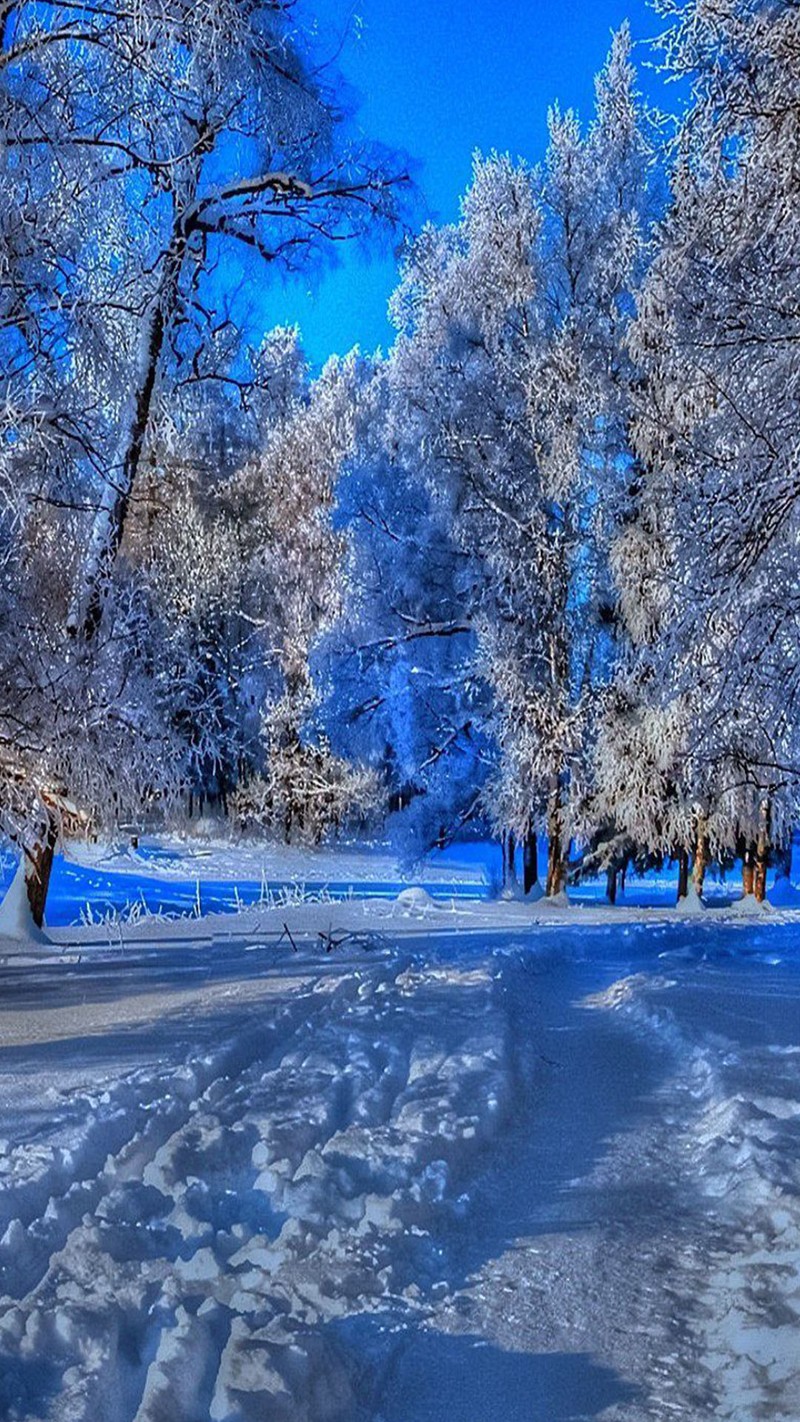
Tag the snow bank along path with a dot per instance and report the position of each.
(552, 1178)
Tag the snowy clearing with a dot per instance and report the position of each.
(106, 895)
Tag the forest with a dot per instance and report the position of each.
(532, 571)
(361, 710)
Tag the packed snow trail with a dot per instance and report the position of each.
(553, 1178)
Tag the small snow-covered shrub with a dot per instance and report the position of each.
(305, 791)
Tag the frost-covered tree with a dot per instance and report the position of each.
(291, 556)
(511, 379)
(155, 158)
(190, 539)
(398, 686)
(459, 407)
(709, 561)
(185, 130)
(83, 743)
(241, 567)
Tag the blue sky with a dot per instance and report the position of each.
(438, 79)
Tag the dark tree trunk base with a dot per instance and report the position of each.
(763, 847)
(556, 870)
(38, 868)
(683, 874)
(509, 858)
(530, 868)
(702, 859)
(748, 869)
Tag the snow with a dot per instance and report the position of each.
(748, 904)
(784, 894)
(422, 1156)
(538, 1170)
(203, 874)
(206, 856)
(252, 1186)
(692, 902)
(416, 902)
(17, 928)
(734, 1105)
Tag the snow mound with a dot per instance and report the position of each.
(748, 904)
(415, 901)
(628, 990)
(692, 904)
(514, 893)
(16, 923)
(560, 900)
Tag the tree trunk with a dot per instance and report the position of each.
(530, 867)
(763, 846)
(556, 869)
(38, 868)
(683, 874)
(109, 522)
(702, 858)
(509, 857)
(611, 884)
(748, 869)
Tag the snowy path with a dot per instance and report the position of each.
(544, 1180)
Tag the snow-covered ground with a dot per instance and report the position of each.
(544, 1174)
(198, 874)
(193, 875)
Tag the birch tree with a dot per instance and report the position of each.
(717, 432)
(180, 131)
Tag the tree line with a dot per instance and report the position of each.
(533, 569)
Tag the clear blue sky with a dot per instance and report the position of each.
(438, 79)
